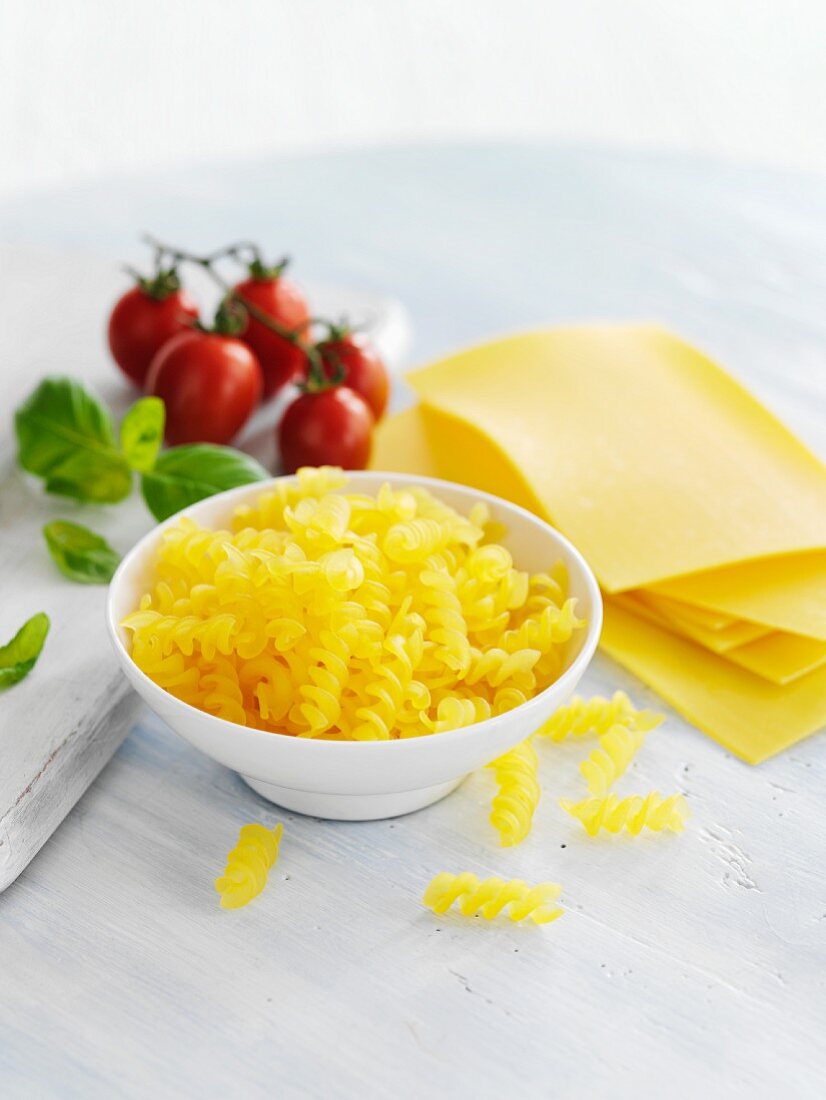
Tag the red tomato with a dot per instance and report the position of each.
(363, 371)
(333, 427)
(210, 384)
(144, 318)
(267, 290)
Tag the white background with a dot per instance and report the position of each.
(100, 85)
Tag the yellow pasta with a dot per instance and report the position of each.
(516, 800)
(550, 626)
(593, 717)
(321, 697)
(617, 748)
(495, 667)
(325, 613)
(491, 896)
(248, 865)
(455, 711)
(631, 815)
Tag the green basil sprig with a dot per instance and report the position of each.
(141, 433)
(65, 436)
(79, 553)
(184, 475)
(19, 656)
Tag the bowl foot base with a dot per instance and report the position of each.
(352, 807)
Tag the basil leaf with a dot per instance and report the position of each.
(79, 553)
(141, 433)
(84, 477)
(65, 436)
(18, 658)
(184, 475)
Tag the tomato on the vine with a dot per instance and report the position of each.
(268, 292)
(331, 426)
(145, 317)
(351, 356)
(209, 381)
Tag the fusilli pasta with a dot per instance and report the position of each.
(516, 800)
(595, 716)
(323, 613)
(489, 897)
(631, 815)
(605, 764)
(248, 865)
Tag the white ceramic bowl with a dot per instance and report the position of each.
(367, 779)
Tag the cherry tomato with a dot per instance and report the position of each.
(267, 290)
(144, 318)
(363, 371)
(333, 427)
(210, 383)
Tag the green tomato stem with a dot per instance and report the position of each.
(208, 264)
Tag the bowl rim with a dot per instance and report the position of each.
(572, 673)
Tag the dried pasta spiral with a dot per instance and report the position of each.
(490, 564)
(546, 590)
(496, 666)
(248, 864)
(415, 539)
(319, 523)
(270, 685)
(605, 764)
(325, 613)
(389, 689)
(268, 510)
(221, 692)
(170, 672)
(384, 696)
(455, 711)
(551, 626)
(631, 815)
(212, 635)
(506, 698)
(516, 800)
(321, 697)
(491, 896)
(442, 611)
(589, 717)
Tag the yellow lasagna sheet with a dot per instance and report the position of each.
(401, 445)
(650, 458)
(424, 441)
(748, 715)
(780, 658)
(738, 633)
(786, 593)
(777, 657)
(700, 616)
(759, 698)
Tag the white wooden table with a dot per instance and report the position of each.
(684, 966)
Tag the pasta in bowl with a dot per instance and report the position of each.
(354, 644)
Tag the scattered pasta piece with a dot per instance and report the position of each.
(519, 792)
(489, 897)
(631, 815)
(595, 716)
(349, 616)
(248, 864)
(587, 717)
(605, 764)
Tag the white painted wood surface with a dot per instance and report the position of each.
(684, 966)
